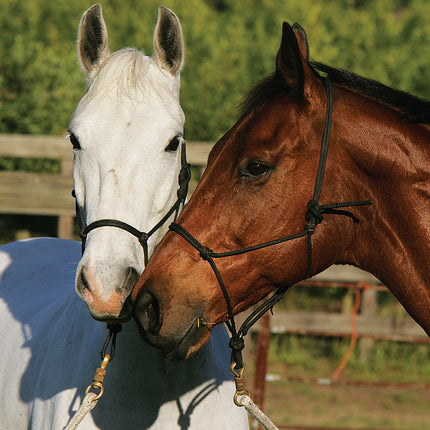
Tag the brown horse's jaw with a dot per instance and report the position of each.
(196, 337)
(176, 347)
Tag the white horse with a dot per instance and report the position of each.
(49, 344)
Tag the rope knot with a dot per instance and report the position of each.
(310, 228)
(205, 253)
(314, 214)
(236, 343)
(114, 327)
(143, 238)
(184, 421)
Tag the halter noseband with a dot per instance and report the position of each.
(143, 237)
(314, 216)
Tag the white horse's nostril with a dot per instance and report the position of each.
(84, 280)
(83, 286)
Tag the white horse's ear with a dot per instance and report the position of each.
(168, 41)
(93, 46)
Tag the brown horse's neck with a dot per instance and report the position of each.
(391, 162)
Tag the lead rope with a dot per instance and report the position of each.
(91, 398)
(242, 397)
(257, 413)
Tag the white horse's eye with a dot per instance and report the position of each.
(174, 143)
(74, 141)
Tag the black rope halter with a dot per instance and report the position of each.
(314, 216)
(143, 237)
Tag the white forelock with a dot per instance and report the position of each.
(133, 76)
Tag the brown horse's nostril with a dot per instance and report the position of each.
(147, 313)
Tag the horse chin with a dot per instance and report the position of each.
(194, 339)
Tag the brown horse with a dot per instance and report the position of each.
(264, 182)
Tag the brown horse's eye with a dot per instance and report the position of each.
(255, 169)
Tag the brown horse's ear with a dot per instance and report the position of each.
(302, 41)
(93, 46)
(292, 61)
(289, 63)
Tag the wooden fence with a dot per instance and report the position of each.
(367, 323)
(27, 193)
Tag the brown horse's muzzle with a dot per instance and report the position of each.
(178, 340)
(168, 320)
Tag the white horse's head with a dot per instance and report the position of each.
(125, 134)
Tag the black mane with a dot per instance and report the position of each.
(414, 109)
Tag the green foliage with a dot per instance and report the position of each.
(40, 81)
(229, 46)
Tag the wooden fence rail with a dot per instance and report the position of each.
(27, 193)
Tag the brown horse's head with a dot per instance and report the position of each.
(259, 179)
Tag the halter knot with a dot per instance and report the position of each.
(314, 214)
(236, 343)
(114, 327)
(205, 253)
(143, 238)
(310, 228)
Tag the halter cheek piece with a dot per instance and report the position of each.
(143, 237)
(314, 216)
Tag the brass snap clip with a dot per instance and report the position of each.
(99, 376)
(240, 383)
